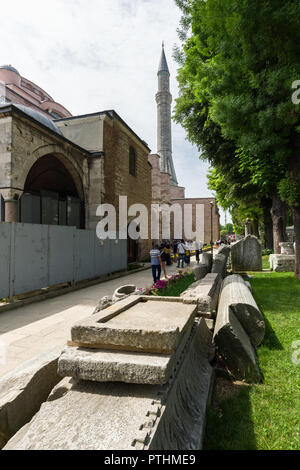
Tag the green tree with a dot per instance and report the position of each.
(242, 57)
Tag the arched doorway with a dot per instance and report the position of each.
(50, 195)
(132, 247)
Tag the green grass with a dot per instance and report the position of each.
(175, 289)
(265, 416)
(265, 262)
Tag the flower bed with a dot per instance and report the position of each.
(173, 286)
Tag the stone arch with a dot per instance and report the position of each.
(50, 168)
(66, 159)
(133, 246)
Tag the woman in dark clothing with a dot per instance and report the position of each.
(163, 256)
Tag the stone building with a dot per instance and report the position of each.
(119, 166)
(165, 188)
(20, 90)
(57, 169)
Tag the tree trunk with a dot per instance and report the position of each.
(294, 168)
(255, 230)
(296, 217)
(278, 213)
(266, 204)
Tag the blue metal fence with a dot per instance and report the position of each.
(33, 256)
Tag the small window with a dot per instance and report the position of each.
(132, 161)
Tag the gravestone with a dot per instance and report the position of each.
(246, 255)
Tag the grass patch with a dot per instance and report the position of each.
(265, 262)
(175, 289)
(264, 416)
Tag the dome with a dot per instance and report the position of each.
(10, 68)
(39, 117)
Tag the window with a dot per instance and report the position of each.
(132, 161)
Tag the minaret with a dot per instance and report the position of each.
(164, 133)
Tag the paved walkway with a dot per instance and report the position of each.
(29, 330)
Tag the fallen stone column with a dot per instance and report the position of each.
(237, 295)
(24, 389)
(233, 342)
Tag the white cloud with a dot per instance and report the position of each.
(92, 55)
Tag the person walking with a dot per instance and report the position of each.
(155, 262)
(181, 253)
(168, 253)
(197, 251)
(163, 257)
(187, 252)
(175, 244)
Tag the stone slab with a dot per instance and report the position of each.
(237, 295)
(224, 250)
(282, 263)
(138, 324)
(24, 389)
(200, 271)
(118, 416)
(204, 293)
(119, 366)
(246, 254)
(234, 344)
(207, 258)
(219, 265)
(287, 248)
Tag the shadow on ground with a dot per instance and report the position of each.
(229, 419)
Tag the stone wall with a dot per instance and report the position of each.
(23, 142)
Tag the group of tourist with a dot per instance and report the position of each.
(161, 255)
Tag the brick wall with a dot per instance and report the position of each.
(117, 179)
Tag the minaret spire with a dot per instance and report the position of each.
(164, 132)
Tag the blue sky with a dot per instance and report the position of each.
(92, 55)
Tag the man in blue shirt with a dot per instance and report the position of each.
(155, 262)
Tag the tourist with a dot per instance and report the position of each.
(168, 253)
(175, 244)
(155, 262)
(181, 253)
(187, 252)
(163, 256)
(197, 251)
(201, 244)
